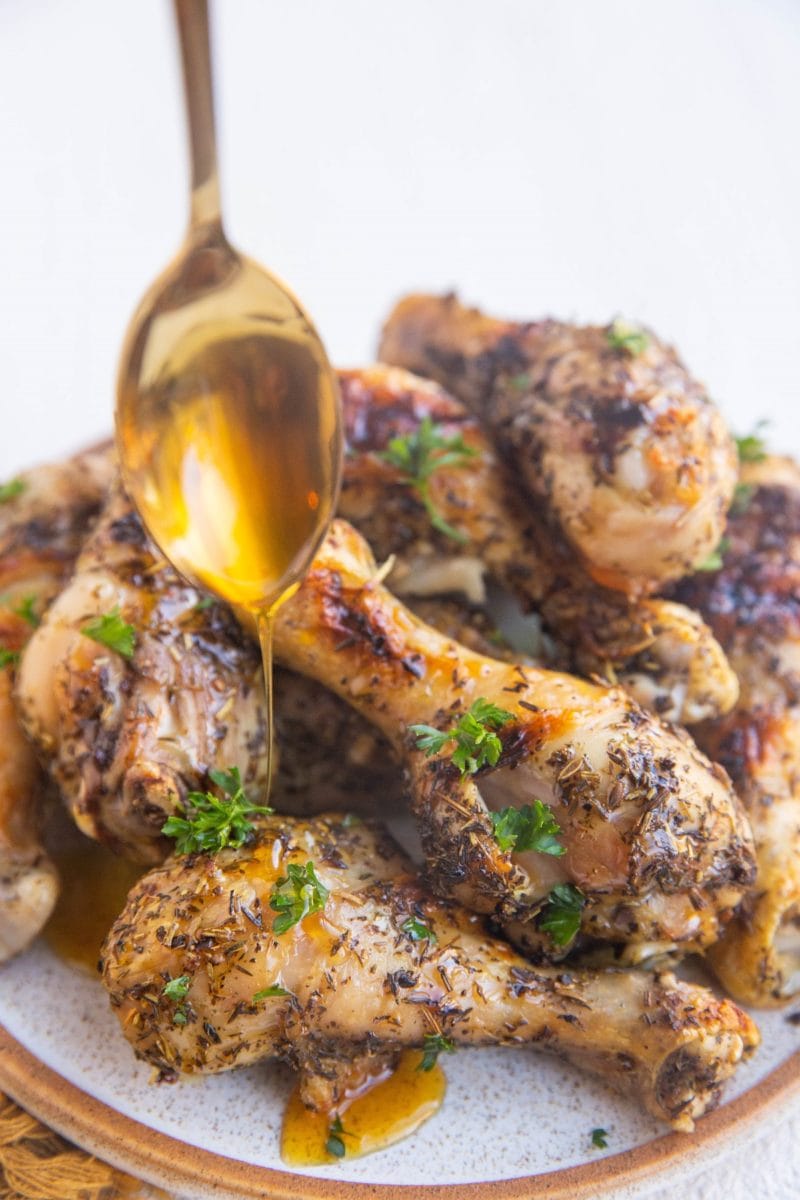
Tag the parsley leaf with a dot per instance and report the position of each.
(477, 745)
(268, 992)
(434, 1045)
(600, 1138)
(204, 603)
(180, 1016)
(210, 823)
(15, 487)
(176, 989)
(752, 447)
(26, 610)
(418, 455)
(110, 630)
(8, 658)
(715, 560)
(299, 893)
(531, 827)
(621, 335)
(562, 917)
(334, 1145)
(418, 931)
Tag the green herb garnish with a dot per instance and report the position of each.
(752, 447)
(715, 560)
(267, 993)
(204, 603)
(334, 1145)
(110, 630)
(562, 917)
(180, 1016)
(477, 743)
(8, 658)
(623, 336)
(600, 1138)
(26, 610)
(531, 827)
(418, 931)
(209, 823)
(299, 893)
(434, 1045)
(521, 382)
(418, 455)
(176, 989)
(13, 488)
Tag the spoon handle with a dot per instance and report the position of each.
(191, 17)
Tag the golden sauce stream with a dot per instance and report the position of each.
(94, 886)
(392, 1108)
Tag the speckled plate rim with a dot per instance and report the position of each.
(168, 1163)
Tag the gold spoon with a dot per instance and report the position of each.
(228, 415)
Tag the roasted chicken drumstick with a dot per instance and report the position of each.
(653, 835)
(382, 965)
(134, 716)
(753, 604)
(422, 482)
(628, 455)
(44, 516)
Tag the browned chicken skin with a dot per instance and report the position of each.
(42, 524)
(654, 835)
(661, 652)
(625, 450)
(126, 738)
(753, 604)
(358, 986)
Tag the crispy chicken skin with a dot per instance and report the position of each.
(661, 652)
(626, 451)
(655, 837)
(126, 738)
(359, 987)
(753, 603)
(41, 528)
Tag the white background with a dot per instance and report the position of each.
(576, 158)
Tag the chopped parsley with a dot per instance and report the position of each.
(176, 989)
(335, 1145)
(180, 1016)
(600, 1138)
(110, 630)
(209, 823)
(752, 448)
(715, 562)
(434, 1045)
(15, 487)
(418, 455)
(562, 916)
(296, 895)
(621, 335)
(477, 743)
(8, 658)
(531, 827)
(418, 931)
(26, 610)
(267, 993)
(204, 603)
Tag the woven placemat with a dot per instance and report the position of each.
(38, 1164)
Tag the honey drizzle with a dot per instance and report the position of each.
(391, 1107)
